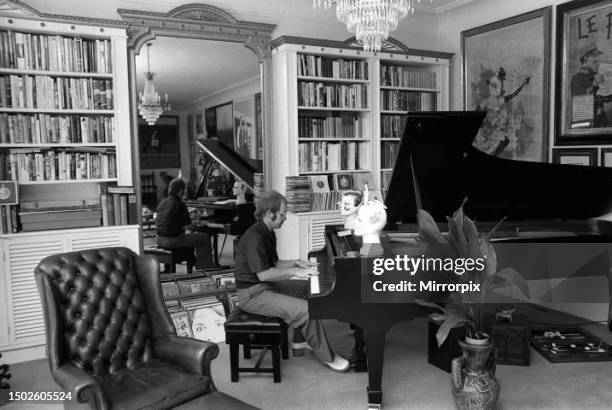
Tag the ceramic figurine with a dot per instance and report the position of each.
(371, 220)
(349, 204)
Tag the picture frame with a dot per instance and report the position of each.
(343, 181)
(245, 137)
(219, 123)
(513, 89)
(605, 159)
(575, 156)
(159, 144)
(583, 109)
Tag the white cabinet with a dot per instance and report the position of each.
(22, 326)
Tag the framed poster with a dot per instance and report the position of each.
(584, 73)
(225, 124)
(575, 156)
(159, 143)
(245, 139)
(210, 122)
(506, 73)
(199, 125)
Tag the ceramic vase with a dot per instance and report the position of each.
(474, 384)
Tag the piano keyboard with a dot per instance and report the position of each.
(315, 289)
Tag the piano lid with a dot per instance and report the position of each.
(230, 159)
(437, 146)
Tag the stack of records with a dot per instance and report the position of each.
(224, 280)
(191, 286)
(169, 289)
(298, 192)
(207, 317)
(258, 186)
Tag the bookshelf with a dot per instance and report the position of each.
(338, 110)
(65, 138)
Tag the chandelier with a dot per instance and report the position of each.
(150, 106)
(370, 20)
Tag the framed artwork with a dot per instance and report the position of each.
(584, 73)
(245, 138)
(506, 73)
(606, 157)
(343, 182)
(159, 143)
(219, 123)
(575, 156)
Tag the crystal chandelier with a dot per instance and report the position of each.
(370, 20)
(149, 105)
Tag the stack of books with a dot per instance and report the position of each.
(298, 193)
(9, 220)
(258, 186)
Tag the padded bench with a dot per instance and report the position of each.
(170, 257)
(256, 332)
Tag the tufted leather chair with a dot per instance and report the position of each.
(110, 340)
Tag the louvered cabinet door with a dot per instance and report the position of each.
(26, 325)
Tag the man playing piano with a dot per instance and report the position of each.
(265, 285)
(172, 220)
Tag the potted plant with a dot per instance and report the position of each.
(477, 365)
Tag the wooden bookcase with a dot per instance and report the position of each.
(311, 79)
(65, 121)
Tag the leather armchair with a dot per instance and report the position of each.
(110, 340)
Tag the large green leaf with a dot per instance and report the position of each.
(453, 320)
(428, 229)
(509, 276)
(456, 238)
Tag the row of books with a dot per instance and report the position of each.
(63, 164)
(319, 66)
(392, 126)
(39, 219)
(399, 100)
(9, 221)
(45, 92)
(398, 76)
(200, 318)
(118, 206)
(312, 94)
(45, 129)
(388, 153)
(327, 155)
(54, 53)
(343, 126)
(298, 193)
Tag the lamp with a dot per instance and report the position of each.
(370, 20)
(149, 105)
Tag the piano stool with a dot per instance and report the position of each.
(256, 332)
(171, 257)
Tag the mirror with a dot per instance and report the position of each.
(198, 89)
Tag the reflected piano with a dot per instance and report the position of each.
(437, 167)
(223, 215)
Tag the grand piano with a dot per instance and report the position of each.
(437, 167)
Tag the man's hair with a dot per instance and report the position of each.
(176, 186)
(269, 201)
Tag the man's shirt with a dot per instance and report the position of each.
(172, 215)
(256, 252)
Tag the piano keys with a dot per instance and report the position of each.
(437, 167)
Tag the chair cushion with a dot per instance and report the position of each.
(153, 385)
(242, 321)
(216, 400)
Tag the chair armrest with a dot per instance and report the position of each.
(84, 387)
(189, 354)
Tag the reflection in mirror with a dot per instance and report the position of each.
(214, 88)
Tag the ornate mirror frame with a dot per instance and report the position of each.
(201, 21)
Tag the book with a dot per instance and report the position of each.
(117, 209)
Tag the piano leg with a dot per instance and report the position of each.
(375, 332)
(360, 362)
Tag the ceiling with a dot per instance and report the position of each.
(189, 69)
